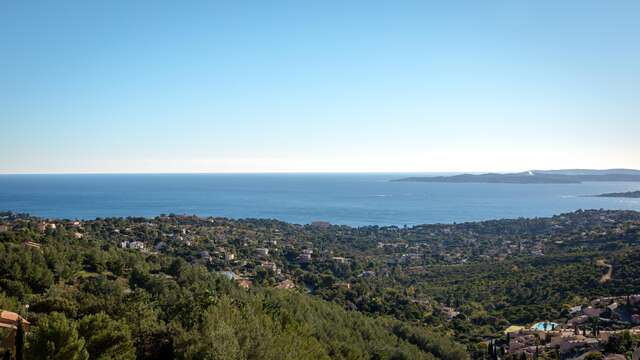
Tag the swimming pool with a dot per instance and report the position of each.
(545, 326)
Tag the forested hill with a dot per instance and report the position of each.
(188, 287)
(89, 298)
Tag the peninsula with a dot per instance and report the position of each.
(571, 176)
(626, 194)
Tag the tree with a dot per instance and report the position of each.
(215, 338)
(56, 338)
(19, 341)
(619, 343)
(106, 338)
(142, 317)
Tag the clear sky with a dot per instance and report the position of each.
(254, 86)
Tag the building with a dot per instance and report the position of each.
(286, 284)
(9, 320)
(271, 266)
(42, 227)
(229, 256)
(33, 245)
(230, 275)
(450, 312)
(575, 309)
(304, 257)
(262, 251)
(244, 283)
(592, 312)
(204, 255)
(241, 281)
(340, 260)
(367, 273)
(342, 285)
(138, 245)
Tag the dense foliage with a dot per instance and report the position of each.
(369, 292)
(90, 299)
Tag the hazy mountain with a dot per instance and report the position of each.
(589, 172)
(628, 194)
(569, 176)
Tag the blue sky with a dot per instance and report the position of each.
(269, 86)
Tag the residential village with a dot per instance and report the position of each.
(595, 327)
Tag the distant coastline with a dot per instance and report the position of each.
(571, 176)
(626, 194)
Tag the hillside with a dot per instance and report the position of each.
(156, 306)
(316, 291)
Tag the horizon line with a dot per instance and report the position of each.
(291, 172)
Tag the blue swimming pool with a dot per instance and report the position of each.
(545, 326)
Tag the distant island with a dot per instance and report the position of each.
(569, 176)
(627, 194)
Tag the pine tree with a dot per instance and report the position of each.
(20, 341)
(56, 338)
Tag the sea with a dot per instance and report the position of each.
(345, 199)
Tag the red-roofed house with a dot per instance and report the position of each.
(9, 320)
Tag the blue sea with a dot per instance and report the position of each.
(350, 199)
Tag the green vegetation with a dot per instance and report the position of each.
(152, 288)
(91, 299)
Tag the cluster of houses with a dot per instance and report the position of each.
(566, 342)
(610, 312)
(239, 252)
(588, 328)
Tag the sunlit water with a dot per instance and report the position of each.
(352, 199)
